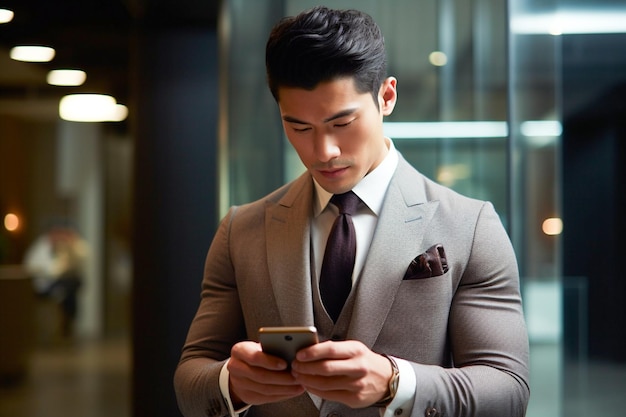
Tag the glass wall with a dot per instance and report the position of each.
(485, 90)
(450, 61)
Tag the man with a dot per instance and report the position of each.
(432, 324)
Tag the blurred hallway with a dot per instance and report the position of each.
(80, 379)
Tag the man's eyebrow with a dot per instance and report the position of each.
(294, 120)
(343, 113)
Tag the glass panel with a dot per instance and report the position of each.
(250, 131)
(470, 86)
(534, 62)
(567, 69)
(593, 76)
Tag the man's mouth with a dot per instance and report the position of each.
(332, 172)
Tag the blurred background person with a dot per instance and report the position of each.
(56, 262)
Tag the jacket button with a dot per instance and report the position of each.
(432, 412)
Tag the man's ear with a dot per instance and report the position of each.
(388, 95)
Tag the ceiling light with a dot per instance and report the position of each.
(91, 108)
(120, 113)
(469, 129)
(567, 22)
(32, 53)
(541, 128)
(66, 77)
(6, 15)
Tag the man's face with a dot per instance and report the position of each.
(337, 131)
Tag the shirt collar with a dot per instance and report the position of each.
(371, 189)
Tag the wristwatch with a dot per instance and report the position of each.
(393, 384)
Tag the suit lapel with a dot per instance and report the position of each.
(397, 240)
(288, 252)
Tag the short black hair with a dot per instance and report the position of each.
(322, 44)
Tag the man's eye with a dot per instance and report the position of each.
(343, 124)
(301, 129)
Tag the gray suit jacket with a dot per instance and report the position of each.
(463, 331)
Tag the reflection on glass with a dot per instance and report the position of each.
(552, 226)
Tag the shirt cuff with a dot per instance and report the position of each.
(402, 403)
(224, 375)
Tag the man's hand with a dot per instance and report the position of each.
(346, 372)
(258, 378)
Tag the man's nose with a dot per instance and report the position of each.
(326, 147)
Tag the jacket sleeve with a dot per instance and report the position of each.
(217, 325)
(487, 336)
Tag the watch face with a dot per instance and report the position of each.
(393, 384)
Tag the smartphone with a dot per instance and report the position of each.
(285, 342)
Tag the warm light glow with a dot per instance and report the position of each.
(433, 130)
(6, 15)
(66, 77)
(450, 174)
(32, 53)
(438, 58)
(11, 222)
(552, 226)
(120, 113)
(91, 108)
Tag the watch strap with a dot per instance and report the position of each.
(393, 384)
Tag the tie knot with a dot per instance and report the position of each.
(346, 202)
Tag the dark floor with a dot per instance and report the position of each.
(93, 379)
(78, 379)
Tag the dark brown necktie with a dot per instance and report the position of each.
(336, 275)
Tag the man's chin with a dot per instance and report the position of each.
(336, 187)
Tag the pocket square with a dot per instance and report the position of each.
(431, 263)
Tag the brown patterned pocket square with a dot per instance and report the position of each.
(431, 263)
